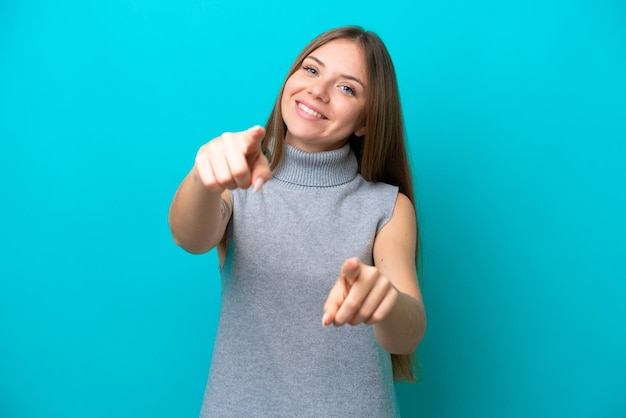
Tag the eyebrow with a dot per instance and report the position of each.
(349, 77)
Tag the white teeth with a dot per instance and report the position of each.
(310, 111)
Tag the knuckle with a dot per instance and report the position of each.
(376, 317)
(224, 180)
(355, 321)
(239, 172)
(202, 154)
(222, 177)
(369, 275)
(211, 185)
(385, 285)
(393, 295)
(350, 304)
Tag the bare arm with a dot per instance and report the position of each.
(402, 329)
(385, 295)
(201, 207)
(198, 217)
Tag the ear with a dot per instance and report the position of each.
(360, 131)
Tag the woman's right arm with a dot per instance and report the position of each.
(201, 207)
(198, 216)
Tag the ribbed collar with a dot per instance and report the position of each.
(317, 169)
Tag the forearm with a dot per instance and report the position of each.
(197, 216)
(403, 328)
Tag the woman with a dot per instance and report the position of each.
(312, 216)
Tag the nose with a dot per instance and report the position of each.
(319, 90)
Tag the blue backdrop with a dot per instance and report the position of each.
(516, 116)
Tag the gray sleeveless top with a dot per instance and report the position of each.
(286, 244)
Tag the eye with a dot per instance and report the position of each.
(309, 69)
(348, 90)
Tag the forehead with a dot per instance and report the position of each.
(343, 55)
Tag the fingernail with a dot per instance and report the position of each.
(324, 319)
(258, 183)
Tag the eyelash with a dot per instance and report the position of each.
(309, 69)
(349, 90)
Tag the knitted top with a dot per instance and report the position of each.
(285, 247)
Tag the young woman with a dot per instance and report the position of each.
(314, 223)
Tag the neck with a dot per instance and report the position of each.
(316, 169)
(314, 146)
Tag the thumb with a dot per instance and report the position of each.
(351, 269)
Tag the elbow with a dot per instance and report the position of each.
(419, 333)
(406, 347)
(187, 244)
(403, 329)
(190, 248)
(195, 250)
(409, 348)
(411, 339)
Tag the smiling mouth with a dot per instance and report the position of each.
(310, 111)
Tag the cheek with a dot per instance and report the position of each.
(291, 84)
(287, 92)
(353, 114)
(284, 101)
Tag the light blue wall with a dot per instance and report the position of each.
(516, 114)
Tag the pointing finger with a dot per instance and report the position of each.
(254, 136)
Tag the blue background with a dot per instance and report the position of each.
(516, 116)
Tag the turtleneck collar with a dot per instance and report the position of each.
(316, 169)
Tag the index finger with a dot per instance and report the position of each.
(253, 137)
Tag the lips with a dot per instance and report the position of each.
(306, 109)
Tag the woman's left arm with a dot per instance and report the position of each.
(386, 295)
(402, 329)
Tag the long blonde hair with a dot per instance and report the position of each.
(381, 152)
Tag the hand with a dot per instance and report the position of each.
(360, 295)
(233, 160)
